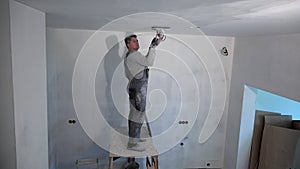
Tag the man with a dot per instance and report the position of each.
(136, 71)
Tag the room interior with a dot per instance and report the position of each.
(64, 90)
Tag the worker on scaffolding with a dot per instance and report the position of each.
(137, 72)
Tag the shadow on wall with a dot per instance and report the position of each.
(104, 76)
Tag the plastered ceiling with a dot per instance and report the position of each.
(219, 18)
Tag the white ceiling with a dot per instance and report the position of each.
(214, 17)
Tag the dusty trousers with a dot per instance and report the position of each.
(137, 98)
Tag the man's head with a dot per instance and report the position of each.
(132, 43)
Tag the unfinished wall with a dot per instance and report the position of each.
(269, 63)
(7, 132)
(68, 142)
(29, 85)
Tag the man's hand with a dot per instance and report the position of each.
(155, 42)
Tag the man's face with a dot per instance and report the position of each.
(133, 44)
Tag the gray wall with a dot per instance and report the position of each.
(7, 132)
(68, 142)
(29, 85)
(270, 63)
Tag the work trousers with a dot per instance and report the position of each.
(137, 98)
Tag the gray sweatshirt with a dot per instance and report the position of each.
(135, 62)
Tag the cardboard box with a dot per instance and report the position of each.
(296, 124)
(259, 123)
(279, 121)
(280, 148)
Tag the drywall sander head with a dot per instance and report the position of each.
(160, 32)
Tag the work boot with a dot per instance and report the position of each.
(135, 147)
(142, 140)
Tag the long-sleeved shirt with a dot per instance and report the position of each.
(135, 62)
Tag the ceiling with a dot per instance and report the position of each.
(213, 17)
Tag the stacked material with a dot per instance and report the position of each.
(275, 143)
